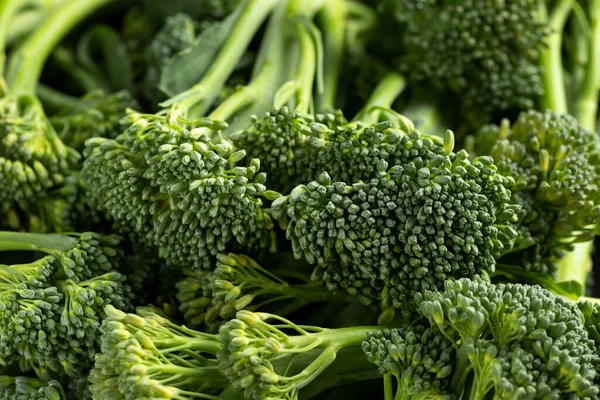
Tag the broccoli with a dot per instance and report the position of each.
(240, 283)
(146, 354)
(22, 387)
(555, 164)
(478, 340)
(37, 168)
(177, 182)
(95, 114)
(485, 51)
(432, 216)
(51, 308)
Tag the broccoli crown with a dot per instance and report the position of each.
(283, 140)
(174, 188)
(408, 229)
(486, 51)
(24, 388)
(421, 359)
(507, 341)
(35, 167)
(260, 358)
(352, 152)
(96, 114)
(177, 34)
(51, 309)
(147, 355)
(556, 167)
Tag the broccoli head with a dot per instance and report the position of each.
(503, 341)
(408, 229)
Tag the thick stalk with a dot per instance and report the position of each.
(332, 20)
(40, 241)
(200, 97)
(384, 95)
(8, 10)
(555, 97)
(26, 64)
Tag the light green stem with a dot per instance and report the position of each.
(555, 97)
(16, 240)
(8, 10)
(587, 102)
(26, 64)
(200, 97)
(332, 19)
(576, 265)
(384, 95)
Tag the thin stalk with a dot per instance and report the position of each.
(8, 10)
(200, 97)
(55, 100)
(38, 240)
(555, 97)
(383, 96)
(587, 102)
(26, 64)
(332, 19)
(85, 79)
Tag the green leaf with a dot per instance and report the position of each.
(101, 51)
(188, 67)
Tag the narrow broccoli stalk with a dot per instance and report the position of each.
(26, 64)
(53, 99)
(383, 96)
(576, 265)
(555, 97)
(8, 10)
(240, 283)
(86, 81)
(57, 302)
(332, 18)
(200, 97)
(286, 357)
(587, 100)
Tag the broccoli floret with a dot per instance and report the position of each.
(94, 115)
(240, 283)
(408, 229)
(168, 183)
(556, 167)
(485, 51)
(264, 361)
(147, 355)
(51, 308)
(506, 341)
(25, 388)
(36, 168)
(284, 141)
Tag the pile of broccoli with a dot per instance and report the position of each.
(299, 199)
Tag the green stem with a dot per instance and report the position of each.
(86, 80)
(26, 64)
(8, 10)
(55, 100)
(587, 102)
(383, 95)
(332, 19)
(199, 98)
(38, 241)
(388, 388)
(555, 97)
